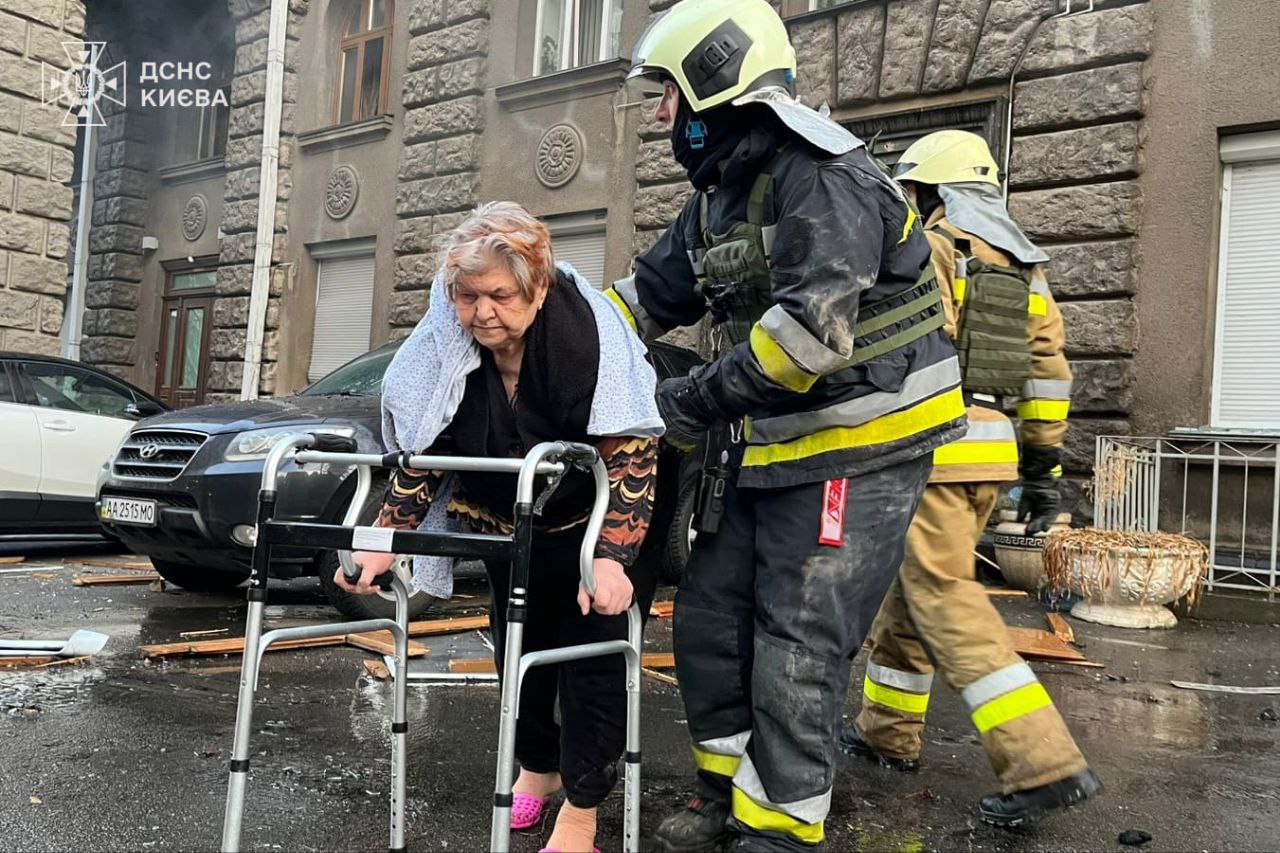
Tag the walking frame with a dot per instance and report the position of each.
(552, 459)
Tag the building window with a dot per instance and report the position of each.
(575, 32)
(364, 57)
(211, 128)
(344, 305)
(579, 240)
(889, 135)
(1246, 365)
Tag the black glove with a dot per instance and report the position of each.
(686, 409)
(1041, 499)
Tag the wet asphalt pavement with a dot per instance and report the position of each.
(125, 754)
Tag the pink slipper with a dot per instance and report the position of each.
(527, 810)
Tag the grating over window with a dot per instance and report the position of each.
(344, 313)
(585, 252)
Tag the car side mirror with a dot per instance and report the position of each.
(144, 409)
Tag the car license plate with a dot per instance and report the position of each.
(129, 511)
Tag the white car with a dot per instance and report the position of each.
(60, 421)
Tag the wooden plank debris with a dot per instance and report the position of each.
(33, 660)
(382, 643)
(1061, 628)
(1006, 593)
(377, 669)
(134, 563)
(212, 632)
(12, 561)
(115, 580)
(1035, 644)
(662, 609)
(658, 676)
(481, 666)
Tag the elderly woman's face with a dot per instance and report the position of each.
(491, 307)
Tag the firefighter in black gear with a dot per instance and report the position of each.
(838, 381)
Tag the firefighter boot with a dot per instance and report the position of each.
(852, 744)
(699, 827)
(1023, 808)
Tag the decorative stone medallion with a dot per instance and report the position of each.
(559, 155)
(195, 215)
(341, 192)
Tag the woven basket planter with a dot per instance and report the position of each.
(1125, 578)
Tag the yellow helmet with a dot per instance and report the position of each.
(948, 157)
(716, 51)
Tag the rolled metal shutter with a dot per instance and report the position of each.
(344, 313)
(585, 252)
(1247, 371)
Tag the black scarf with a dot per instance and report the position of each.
(702, 142)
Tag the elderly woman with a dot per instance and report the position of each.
(543, 336)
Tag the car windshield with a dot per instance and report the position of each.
(359, 378)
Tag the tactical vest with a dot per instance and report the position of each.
(732, 269)
(991, 331)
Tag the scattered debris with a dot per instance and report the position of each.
(208, 752)
(1269, 715)
(212, 632)
(1061, 629)
(662, 609)
(1034, 644)
(1226, 688)
(659, 676)
(37, 801)
(1001, 593)
(11, 561)
(113, 580)
(383, 643)
(481, 666)
(34, 660)
(1136, 643)
(1134, 837)
(377, 669)
(135, 564)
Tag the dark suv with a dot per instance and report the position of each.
(195, 473)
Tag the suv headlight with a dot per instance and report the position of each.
(257, 443)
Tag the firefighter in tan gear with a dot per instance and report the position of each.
(1009, 335)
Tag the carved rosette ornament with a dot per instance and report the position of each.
(559, 156)
(195, 216)
(341, 191)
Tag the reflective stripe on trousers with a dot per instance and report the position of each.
(894, 688)
(1004, 696)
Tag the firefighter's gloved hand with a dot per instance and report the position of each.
(686, 411)
(1041, 500)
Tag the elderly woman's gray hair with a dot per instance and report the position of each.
(500, 234)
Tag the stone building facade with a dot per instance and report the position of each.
(1099, 108)
(37, 162)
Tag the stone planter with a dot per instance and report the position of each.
(1125, 578)
(1021, 557)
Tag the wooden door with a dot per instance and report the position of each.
(183, 369)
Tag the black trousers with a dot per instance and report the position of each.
(592, 693)
(766, 622)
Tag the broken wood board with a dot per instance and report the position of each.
(662, 609)
(137, 564)
(383, 643)
(377, 669)
(11, 561)
(1061, 628)
(232, 646)
(212, 632)
(480, 666)
(658, 676)
(33, 660)
(1035, 644)
(432, 627)
(1003, 593)
(115, 580)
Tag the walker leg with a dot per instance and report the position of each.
(244, 722)
(631, 777)
(399, 721)
(500, 830)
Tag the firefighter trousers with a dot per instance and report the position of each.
(767, 621)
(937, 616)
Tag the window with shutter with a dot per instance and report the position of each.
(344, 313)
(1246, 376)
(579, 239)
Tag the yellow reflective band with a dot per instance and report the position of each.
(1037, 305)
(714, 762)
(935, 411)
(898, 700)
(1056, 470)
(958, 288)
(776, 364)
(623, 307)
(1044, 410)
(911, 220)
(1010, 706)
(976, 453)
(764, 819)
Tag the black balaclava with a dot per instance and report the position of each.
(702, 141)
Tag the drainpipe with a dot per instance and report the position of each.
(267, 177)
(1067, 12)
(73, 318)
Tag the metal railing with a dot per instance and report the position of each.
(1219, 488)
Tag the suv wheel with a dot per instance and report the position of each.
(195, 578)
(680, 535)
(355, 606)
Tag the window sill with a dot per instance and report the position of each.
(198, 170)
(595, 79)
(346, 135)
